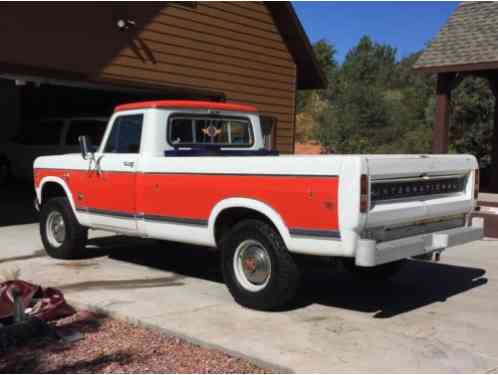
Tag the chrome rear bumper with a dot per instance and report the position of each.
(370, 253)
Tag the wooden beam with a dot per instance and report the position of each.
(493, 83)
(442, 115)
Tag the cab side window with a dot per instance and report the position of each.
(125, 136)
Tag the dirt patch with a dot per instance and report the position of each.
(113, 346)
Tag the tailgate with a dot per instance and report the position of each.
(419, 189)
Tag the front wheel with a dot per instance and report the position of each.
(62, 236)
(257, 268)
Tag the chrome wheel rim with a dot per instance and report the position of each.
(252, 265)
(56, 229)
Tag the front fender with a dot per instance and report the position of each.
(59, 181)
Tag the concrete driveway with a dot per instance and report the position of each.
(433, 317)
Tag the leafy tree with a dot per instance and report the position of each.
(376, 104)
(370, 63)
(359, 119)
(471, 120)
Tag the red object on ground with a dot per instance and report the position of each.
(51, 306)
(193, 104)
(45, 304)
(26, 292)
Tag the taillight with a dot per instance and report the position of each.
(476, 183)
(364, 206)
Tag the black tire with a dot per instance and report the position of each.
(379, 273)
(75, 237)
(283, 279)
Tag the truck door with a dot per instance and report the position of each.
(111, 189)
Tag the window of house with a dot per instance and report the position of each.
(189, 131)
(125, 136)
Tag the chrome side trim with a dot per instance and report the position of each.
(176, 220)
(299, 232)
(159, 218)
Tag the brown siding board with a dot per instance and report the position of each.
(225, 16)
(254, 6)
(170, 48)
(261, 96)
(267, 106)
(239, 34)
(250, 13)
(204, 20)
(215, 48)
(238, 70)
(278, 89)
(227, 6)
(209, 39)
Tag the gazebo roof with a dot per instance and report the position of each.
(467, 42)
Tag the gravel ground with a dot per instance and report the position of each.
(113, 346)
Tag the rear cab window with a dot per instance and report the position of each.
(197, 131)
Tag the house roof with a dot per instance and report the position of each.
(467, 42)
(309, 73)
(191, 104)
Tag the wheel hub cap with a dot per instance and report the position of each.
(56, 228)
(255, 262)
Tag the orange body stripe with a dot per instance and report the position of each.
(307, 202)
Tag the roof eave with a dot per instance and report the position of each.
(309, 73)
(470, 67)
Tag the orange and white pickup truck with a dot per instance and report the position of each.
(198, 172)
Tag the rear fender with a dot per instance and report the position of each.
(252, 204)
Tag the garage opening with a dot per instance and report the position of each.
(41, 117)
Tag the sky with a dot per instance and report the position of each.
(405, 25)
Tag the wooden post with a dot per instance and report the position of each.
(442, 116)
(493, 83)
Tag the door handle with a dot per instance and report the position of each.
(129, 164)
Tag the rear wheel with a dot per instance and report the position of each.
(62, 236)
(378, 273)
(257, 268)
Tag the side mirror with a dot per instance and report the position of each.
(84, 147)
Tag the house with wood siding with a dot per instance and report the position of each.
(251, 52)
